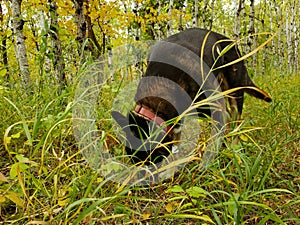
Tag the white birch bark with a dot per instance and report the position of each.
(46, 67)
(159, 32)
(264, 52)
(251, 31)
(211, 18)
(196, 14)
(169, 24)
(288, 33)
(3, 46)
(137, 28)
(271, 21)
(293, 36)
(297, 37)
(20, 48)
(204, 13)
(279, 47)
(237, 21)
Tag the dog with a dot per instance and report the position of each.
(178, 75)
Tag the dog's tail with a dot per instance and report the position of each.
(258, 93)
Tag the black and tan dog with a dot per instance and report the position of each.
(182, 70)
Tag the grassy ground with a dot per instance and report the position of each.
(43, 176)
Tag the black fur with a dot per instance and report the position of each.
(174, 79)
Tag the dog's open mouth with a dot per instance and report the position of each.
(155, 136)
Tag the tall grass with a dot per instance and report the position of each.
(44, 179)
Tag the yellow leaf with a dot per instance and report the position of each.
(17, 135)
(2, 199)
(14, 198)
(7, 140)
(63, 201)
(244, 138)
(169, 207)
(3, 178)
(146, 215)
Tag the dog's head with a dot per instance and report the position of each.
(148, 140)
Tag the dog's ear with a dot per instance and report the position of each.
(258, 93)
(120, 119)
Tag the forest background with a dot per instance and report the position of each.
(45, 45)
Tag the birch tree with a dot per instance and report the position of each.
(292, 37)
(237, 21)
(278, 19)
(297, 37)
(263, 25)
(251, 30)
(169, 24)
(196, 13)
(3, 46)
(289, 30)
(182, 10)
(204, 13)
(20, 47)
(159, 24)
(58, 60)
(211, 18)
(137, 21)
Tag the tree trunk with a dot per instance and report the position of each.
(137, 22)
(237, 21)
(293, 35)
(181, 8)
(278, 14)
(94, 47)
(196, 13)
(297, 35)
(160, 27)
(20, 48)
(288, 30)
(169, 25)
(271, 18)
(211, 18)
(81, 24)
(3, 47)
(264, 52)
(204, 14)
(58, 59)
(251, 30)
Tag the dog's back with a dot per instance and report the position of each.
(180, 58)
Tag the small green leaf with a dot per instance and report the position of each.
(244, 138)
(232, 206)
(17, 135)
(175, 189)
(196, 192)
(17, 167)
(21, 158)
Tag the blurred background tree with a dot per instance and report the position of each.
(46, 39)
